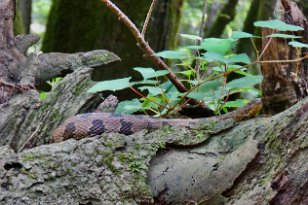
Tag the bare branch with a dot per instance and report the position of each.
(144, 46)
(146, 22)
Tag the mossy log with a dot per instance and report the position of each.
(259, 161)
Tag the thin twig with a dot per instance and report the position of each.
(264, 49)
(138, 93)
(203, 19)
(32, 137)
(147, 20)
(144, 46)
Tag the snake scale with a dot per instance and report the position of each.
(89, 124)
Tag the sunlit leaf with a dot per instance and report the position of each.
(214, 57)
(113, 85)
(187, 73)
(240, 58)
(194, 47)
(148, 73)
(218, 45)
(152, 90)
(241, 34)
(247, 81)
(298, 44)
(169, 54)
(280, 35)
(236, 104)
(278, 25)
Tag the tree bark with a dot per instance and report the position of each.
(284, 84)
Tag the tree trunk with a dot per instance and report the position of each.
(25, 10)
(225, 16)
(97, 27)
(244, 45)
(216, 161)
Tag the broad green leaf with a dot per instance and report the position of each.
(280, 35)
(113, 85)
(217, 45)
(240, 58)
(152, 90)
(236, 104)
(219, 69)
(241, 34)
(146, 82)
(191, 37)
(214, 57)
(247, 81)
(236, 69)
(298, 44)
(148, 73)
(278, 25)
(169, 54)
(129, 106)
(194, 47)
(187, 73)
(200, 96)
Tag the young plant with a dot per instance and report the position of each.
(207, 80)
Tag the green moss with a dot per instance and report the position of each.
(28, 174)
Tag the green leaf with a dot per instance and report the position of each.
(129, 106)
(278, 25)
(214, 57)
(113, 85)
(219, 69)
(236, 69)
(240, 58)
(298, 44)
(187, 73)
(241, 34)
(191, 37)
(194, 47)
(247, 81)
(146, 82)
(217, 45)
(236, 104)
(169, 54)
(152, 90)
(43, 96)
(280, 35)
(148, 73)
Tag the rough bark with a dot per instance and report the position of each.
(284, 84)
(260, 161)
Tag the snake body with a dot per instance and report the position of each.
(89, 124)
(96, 123)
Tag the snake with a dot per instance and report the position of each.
(96, 123)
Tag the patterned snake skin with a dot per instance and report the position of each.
(96, 123)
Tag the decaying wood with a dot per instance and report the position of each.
(259, 161)
(284, 84)
(22, 113)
